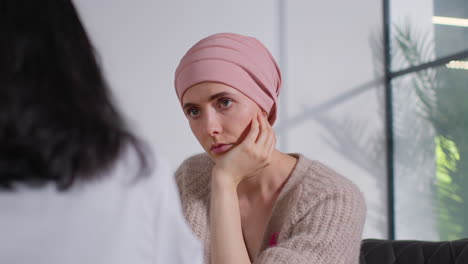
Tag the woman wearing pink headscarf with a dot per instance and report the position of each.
(247, 201)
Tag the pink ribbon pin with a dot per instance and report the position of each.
(274, 239)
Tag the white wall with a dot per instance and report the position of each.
(332, 90)
(335, 94)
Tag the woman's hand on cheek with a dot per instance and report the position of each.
(251, 155)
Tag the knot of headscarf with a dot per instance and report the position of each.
(241, 62)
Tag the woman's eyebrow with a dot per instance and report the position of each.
(187, 105)
(213, 97)
(218, 95)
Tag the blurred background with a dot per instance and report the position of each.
(378, 90)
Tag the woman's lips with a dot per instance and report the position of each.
(220, 148)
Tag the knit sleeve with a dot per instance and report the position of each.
(329, 233)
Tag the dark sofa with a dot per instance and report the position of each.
(375, 251)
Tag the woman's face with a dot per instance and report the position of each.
(219, 115)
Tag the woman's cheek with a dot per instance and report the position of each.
(196, 131)
(239, 124)
(242, 117)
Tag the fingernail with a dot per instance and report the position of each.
(264, 113)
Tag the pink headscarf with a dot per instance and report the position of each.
(241, 62)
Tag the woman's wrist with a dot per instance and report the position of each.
(222, 181)
(225, 222)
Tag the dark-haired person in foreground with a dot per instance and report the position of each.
(76, 185)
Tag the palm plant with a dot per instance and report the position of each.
(443, 95)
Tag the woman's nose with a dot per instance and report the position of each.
(213, 125)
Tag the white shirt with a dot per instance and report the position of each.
(121, 218)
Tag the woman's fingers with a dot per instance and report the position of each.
(261, 139)
(252, 154)
(266, 133)
(266, 141)
(263, 129)
(272, 143)
(254, 130)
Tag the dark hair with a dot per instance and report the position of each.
(57, 119)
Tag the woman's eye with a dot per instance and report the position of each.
(225, 103)
(193, 112)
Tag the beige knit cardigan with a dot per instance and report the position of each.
(318, 217)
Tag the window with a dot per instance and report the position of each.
(427, 101)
